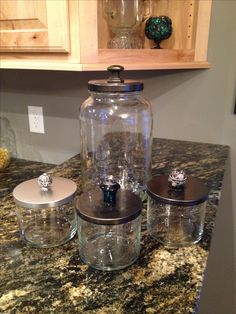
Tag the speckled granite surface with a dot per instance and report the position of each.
(20, 170)
(161, 281)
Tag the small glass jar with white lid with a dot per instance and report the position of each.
(176, 209)
(45, 210)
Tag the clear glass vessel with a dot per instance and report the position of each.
(109, 229)
(176, 214)
(124, 18)
(46, 215)
(116, 134)
(109, 247)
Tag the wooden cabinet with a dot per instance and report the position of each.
(33, 26)
(40, 34)
(73, 35)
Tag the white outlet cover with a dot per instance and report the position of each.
(36, 123)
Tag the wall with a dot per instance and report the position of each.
(195, 105)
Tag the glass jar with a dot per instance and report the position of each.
(7, 142)
(116, 133)
(109, 227)
(45, 211)
(124, 18)
(176, 209)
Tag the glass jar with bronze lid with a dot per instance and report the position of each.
(116, 133)
(176, 209)
(109, 226)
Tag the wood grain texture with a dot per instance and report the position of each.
(180, 48)
(150, 66)
(34, 26)
(202, 32)
(182, 14)
(89, 30)
(49, 58)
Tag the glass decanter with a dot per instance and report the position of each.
(124, 18)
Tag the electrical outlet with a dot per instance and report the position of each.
(36, 123)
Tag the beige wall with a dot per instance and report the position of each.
(195, 105)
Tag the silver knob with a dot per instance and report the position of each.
(45, 181)
(177, 178)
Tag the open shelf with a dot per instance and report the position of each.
(185, 49)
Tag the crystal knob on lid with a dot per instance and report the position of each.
(176, 208)
(45, 181)
(177, 178)
(45, 210)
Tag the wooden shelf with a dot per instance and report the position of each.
(40, 65)
(152, 66)
(186, 48)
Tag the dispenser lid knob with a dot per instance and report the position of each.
(115, 83)
(115, 71)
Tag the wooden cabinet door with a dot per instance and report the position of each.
(34, 26)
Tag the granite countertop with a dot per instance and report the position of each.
(20, 170)
(162, 280)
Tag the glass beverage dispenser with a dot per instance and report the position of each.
(116, 134)
(116, 138)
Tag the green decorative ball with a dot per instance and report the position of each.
(158, 28)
